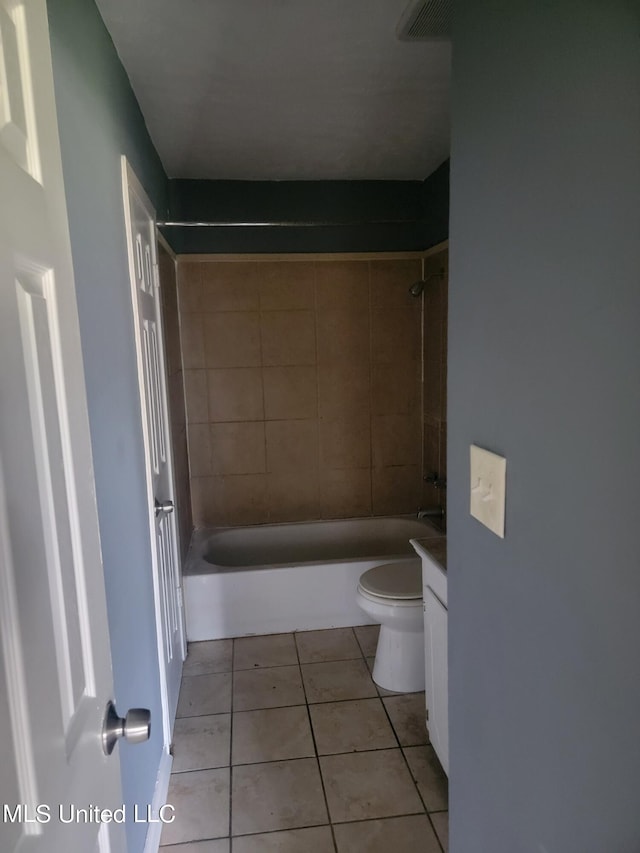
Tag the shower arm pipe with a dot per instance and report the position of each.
(285, 223)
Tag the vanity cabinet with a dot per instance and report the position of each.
(433, 554)
(437, 681)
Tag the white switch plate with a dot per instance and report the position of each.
(488, 488)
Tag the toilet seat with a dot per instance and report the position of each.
(401, 581)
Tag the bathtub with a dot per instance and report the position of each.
(275, 578)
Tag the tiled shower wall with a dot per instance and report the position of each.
(303, 388)
(435, 376)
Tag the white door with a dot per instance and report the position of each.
(55, 666)
(147, 309)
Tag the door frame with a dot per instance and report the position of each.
(130, 181)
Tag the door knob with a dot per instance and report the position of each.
(163, 506)
(135, 727)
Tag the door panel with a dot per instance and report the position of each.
(55, 666)
(141, 236)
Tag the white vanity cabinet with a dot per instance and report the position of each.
(434, 582)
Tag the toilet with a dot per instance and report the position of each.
(391, 594)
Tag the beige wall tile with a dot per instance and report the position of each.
(396, 490)
(287, 285)
(288, 337)
(237, 448)
(261, 327)
(290, 392)
(443, 389)
(292, 446)
(293, 495)
(443, 450)
(431, 461)
(246, 498)
(396, 439)
(433, 388)
(235, 394)
(196, 399)
(390, 283)
(230, 286)
(343, 390)
(192, 341)
(345, 493)
(200, 450)
(189, 286)
(342, 285)
(345, 443)
(343, 336)
(177, 408)
(395, 335)
(434, 319)
(232, 339)
(395, 388)
(207, 498)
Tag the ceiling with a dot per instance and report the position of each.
(284, 89)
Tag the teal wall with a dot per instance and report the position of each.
(544, 368)
(358, 216)
(99, 120)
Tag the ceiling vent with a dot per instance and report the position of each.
(426, 20)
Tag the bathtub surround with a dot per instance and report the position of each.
(175, 390)
(303, 388)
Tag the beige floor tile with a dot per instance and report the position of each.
(205, 694)
(219, 845)
(200, 743)
(409, 717)
(368, 638)
(272, 650)
(208, 657)
(315, 839)
(201, 802)
(334, 644)
(279, 795)
(363, 785)
(353, 726)
(271, 734)
(441, 823)
(397, 834)
(267, 688)
(336, 680)
(430, 777)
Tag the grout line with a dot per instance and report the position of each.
(415, 783)
(233, 652)
(315, 748)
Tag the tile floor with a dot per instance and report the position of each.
(284, 744)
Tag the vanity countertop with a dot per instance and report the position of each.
(436, 549)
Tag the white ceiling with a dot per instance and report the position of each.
(284, 89)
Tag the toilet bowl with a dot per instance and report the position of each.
(391, 594)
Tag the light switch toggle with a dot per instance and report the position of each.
(488, 487)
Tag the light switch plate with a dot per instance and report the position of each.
(488, 488)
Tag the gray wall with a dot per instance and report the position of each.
(100, 120)
(544, 367)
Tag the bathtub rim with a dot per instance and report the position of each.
(197, 564)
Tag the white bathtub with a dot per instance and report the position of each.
(288, 577)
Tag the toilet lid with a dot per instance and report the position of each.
(394, 580)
